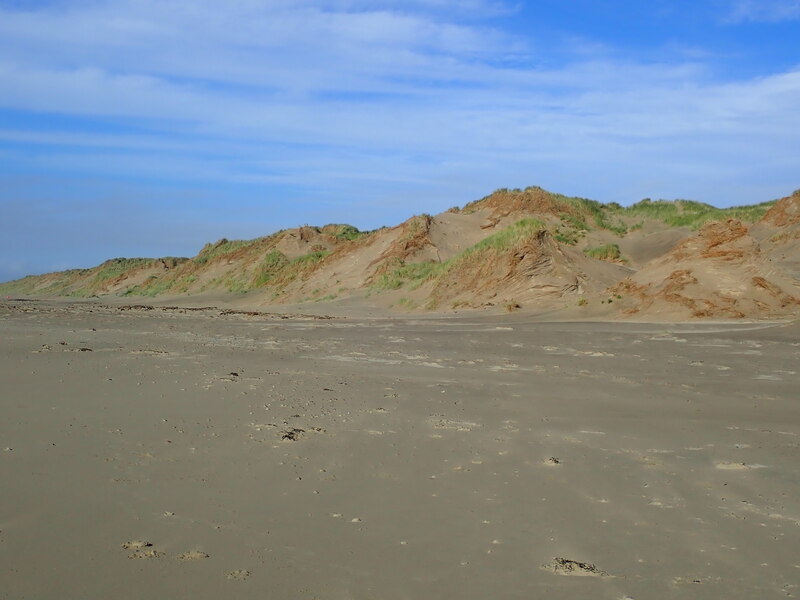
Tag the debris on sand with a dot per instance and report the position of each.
(293, 434)
(566, 566)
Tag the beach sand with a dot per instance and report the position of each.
(169, 453)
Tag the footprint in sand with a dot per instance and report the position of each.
(192, 555)
(238, 574)
(142, 550)
(690, 580)
(146, 554)
(440, 423)
(737, 466)
(136, 545)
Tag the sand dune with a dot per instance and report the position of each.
(515, 250)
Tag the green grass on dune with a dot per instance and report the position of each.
(582, 214)
(507, 237)
(688, 213)
(609, 252)
(269, 267)
(221, 248)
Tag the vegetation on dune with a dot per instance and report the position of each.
(82, 283)
(574, 222)
(578, 215)
(310, 258)
(100, 278)
(272, 263)
(220, 248)
(116, 267)
(404, 273)
(345, 232)
(155, 285)
(608, 252)
(579, 211)
(568, 235)
(152, 286)
(298, 267)
(54, 284)
(688, 213)
(506, 238)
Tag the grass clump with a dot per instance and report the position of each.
(508, 237)
(608, 252)
(403, 273)
(310, 258)
(574, 222)
(348, 233)
(270, 266)
(567, 236)
(407, 303)
(576, 212)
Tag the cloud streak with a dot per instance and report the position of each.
(764, 11)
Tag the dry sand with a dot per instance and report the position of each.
(192, 454)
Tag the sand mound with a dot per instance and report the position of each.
(503, 203)
(300, 242)
(785, 212)
(532, 201)
(412, 243)
(720, 272)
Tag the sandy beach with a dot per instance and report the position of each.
(174, 453)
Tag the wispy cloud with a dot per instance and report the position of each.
(350, 77)
(764, 10)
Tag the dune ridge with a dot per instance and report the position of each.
(530, 250)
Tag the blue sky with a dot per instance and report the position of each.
(148, 127)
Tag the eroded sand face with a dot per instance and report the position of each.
(165, 454)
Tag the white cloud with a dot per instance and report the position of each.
(764, 10)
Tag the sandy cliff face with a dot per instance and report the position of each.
(723, 271)
(785, 212)
(535, 270)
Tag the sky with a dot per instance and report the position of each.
(149, 127)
